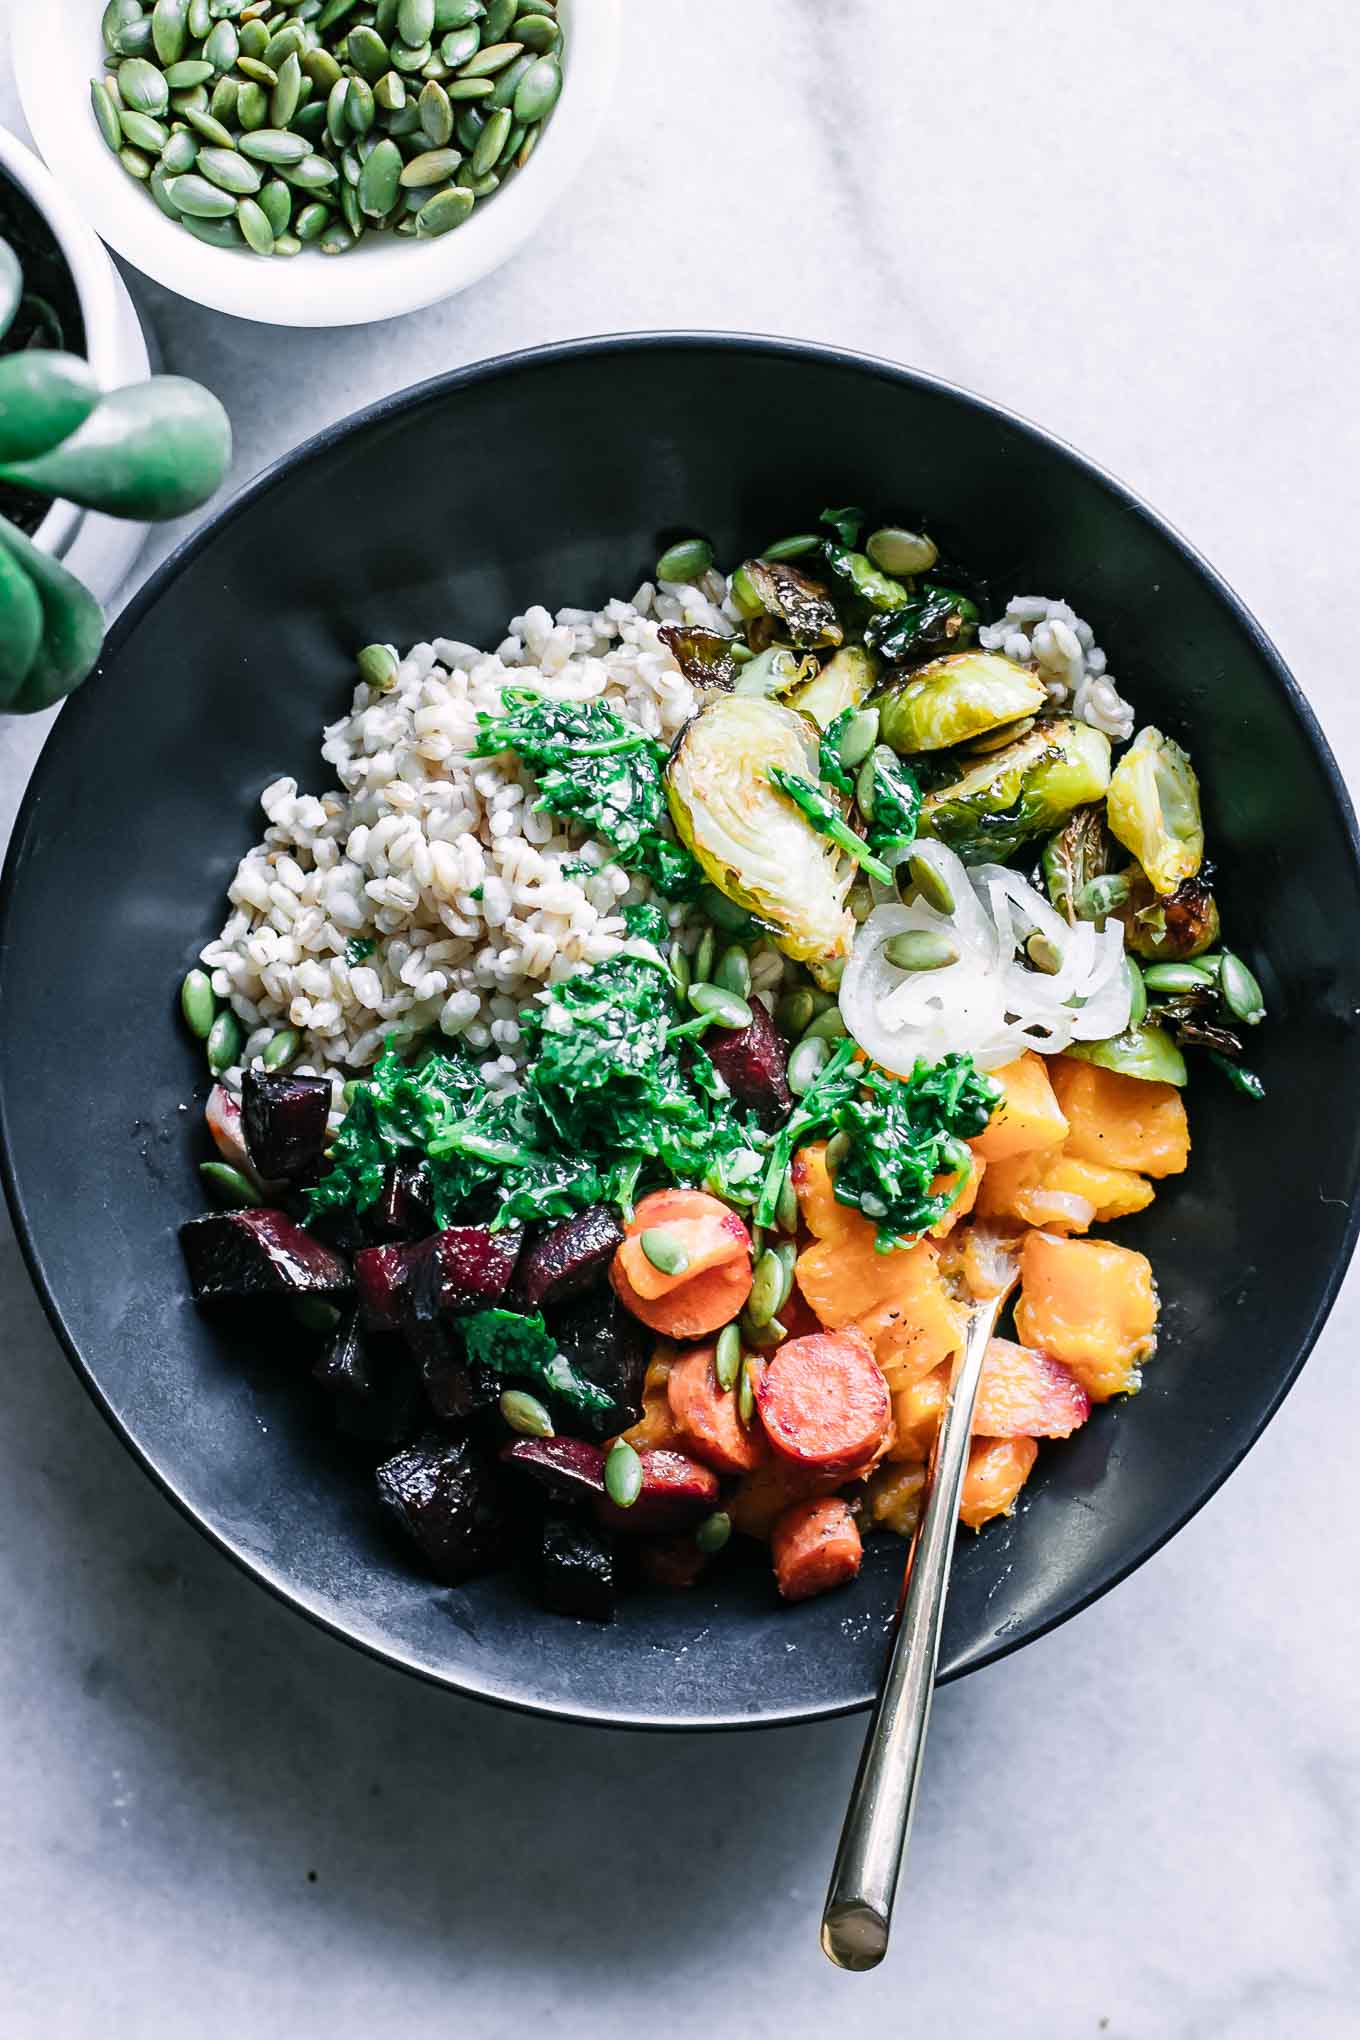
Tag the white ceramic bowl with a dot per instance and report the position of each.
(57, 50)
(99, 550)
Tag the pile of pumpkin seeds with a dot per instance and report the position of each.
(272, 124)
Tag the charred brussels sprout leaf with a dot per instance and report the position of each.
(1147, 1052)
(1153, 810)
(703, 656)
(1011, 795)
(862, 579)
(598, 770)
(847, 523)
(954, 699)
(936, 620)
(1173, 929)
(1242, 1080)
(843, 682)
(1077, 853)
(772, 588)
(753, 844)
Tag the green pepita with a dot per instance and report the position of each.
(411, 60)
(143, 131)
(536, 31)
(106, 113)
(688, 560)
(713, 1533)
(499, 15)
(727, 1358)
(274, 145)
(336, 240)
(281, 1048)
(795, 1012)
(491, 58)
(287, 94)
(216, 233)
(1044, 955)
(432, 166)
(415, 21)
(1138, 999)
(390, 92)
(525, 1413)
(665, 1250)
(895, 551)
(225, 95)
(724, 1008)
(135, 40)
(229, 1186)
(436, 115)
(858, 738)
(733, 972)
(704, 956)
(198, 1003)
(470, 88)
(769, 1287)
(135, 163)
(312, 221)
(276, 203)
(259, 73)
(458, 46)
(313, 173)
(806, 1064)
(224, 1037)
(170, 29)
(255, 228)
(1178, 977)
(507, 84)
(538, 90)
(368, 54)
(142, 86)
(622, 1474)
(1101, 896)
(180, 153)
(786, 1209)
(380, 180)
(229, 169)
(491, 141)
(200, 199)
(746, 1392)
(211, 130)
(1242, 994)
(932, 888)
(920, 949)
(827, 1026)
(222, 47)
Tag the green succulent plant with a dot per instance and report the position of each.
(151, 451)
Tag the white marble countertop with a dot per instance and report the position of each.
(217, 1823)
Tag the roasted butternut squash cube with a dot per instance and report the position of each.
(1121, 1122)
(997, 1470)
(1029, 1116)
(917, 1411)
(1031, 1188)
(1090, 1304)
(893, 1497)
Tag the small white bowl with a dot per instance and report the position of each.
(57, 50)
(99, 550)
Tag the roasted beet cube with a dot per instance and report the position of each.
(239, 1254)
(753, 1063)
(284, 1119)
(369, 1383)
(576, 1575)
(676, 1491)
(474, 1268)
(573, 1256)
(444, 1496)
(610, 1347)
(672, 1562)
(571, 1468)
(405, 1209)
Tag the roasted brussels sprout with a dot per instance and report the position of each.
(860, 577)
(773, 588)
(1153, 810)
(775, 671)
(1074, 855)
(1011, 795)
(935, 620)
(1172, 929)
(703, 656)
(1147, 1052)
(843, 683)
(955, 698)
(754, 844)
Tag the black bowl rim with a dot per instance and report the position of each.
(411, 398)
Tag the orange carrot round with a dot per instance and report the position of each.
(824, 1402)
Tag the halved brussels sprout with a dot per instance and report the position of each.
(773, 588)
(843, 683)
(1153, 810)
(775, 671)
(755, 846)
(1147, 1052)
(955, 698)
(1019, 792)
(934, 620)
(1182, 925)
(1077, 853)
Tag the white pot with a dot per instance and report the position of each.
(99, 550)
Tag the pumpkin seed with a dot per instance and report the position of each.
(377, 666)
(536, 31)
(349, 209)
(276, 203)
(254, 38)
(456, 14)
(412, 59)
(746, 1393)
(858, 738)
(713, 1533)
(460, 45)
(195, 96)
(312, 221)
(229, 169)
(769, 1287)
(704, 955)
(106, 113)
(795, 1012)
(199, 19)
(622, 1474)
(507, 84)
(222, 47)
(320, 66)
(1178, 977)
(837, 1148)
(794, 548)
(288, 244)
(368, 54)
(390, 92)
(722, 912)
(827, 1026)
(404, 124)
(724, 1008)
(727, 1358)
(229, 1186)
(114, 16)
(224, 1036)
(436, 115)
(252, 106)
(934, 890)
(256, 69)
(331, 12)
(135, 40)
(142, 86)
(222, 105)
(415, 21)
(200, 199)
(470, 88)
(255, 227)
(274, 145)
(733, 972)
(313, 173)
(511, 146)
(336, 240)
(360, 106)
(1044, 955)
(198, 1003)
(142, 131)
(499, 15)
(527, 147)
(786, 1210)
(287, 94)
(538, 90)
(1101, 896)
(288, 41)
(281, 1048)
(432, 166)
(525, 1413)
(380, 180)
(217, 233)
(1242, 995)
(920, 949)
(492, 57)
(310, 121)
(180, 152)
(664, 1249)
(491, 141)
(156, 184)
(896, 551)
(688, 560)
(210, 129)
(1138, 999)
(806, 1063)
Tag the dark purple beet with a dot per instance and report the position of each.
(676, 1492)
(753, 1063)
(444, 1496)
(576, 1574)
(369, 1383)
(573, 1256)
(236, 1254)
(611, 1348)
(475, 1267)
(570, 1468)
(284, 1120)
(405, 1209)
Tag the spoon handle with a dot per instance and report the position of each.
(858, 1911)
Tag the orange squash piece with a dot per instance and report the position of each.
(656, 1429)
(816, 1193)
(1022, 1189)
(1029, 1115)
(1121, 1122)
(1091, 1305)
(917, 1411)
(893, 1497)
(997, 1470)
(1027, 1394)
(898, 1300)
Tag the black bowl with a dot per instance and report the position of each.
(553, 477)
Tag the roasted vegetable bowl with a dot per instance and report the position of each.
(220, 1402)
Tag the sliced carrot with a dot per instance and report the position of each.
(702, 1297)
(997, 1470)
(775, 1485)
(707, 1416)
(824, 1402)
(815, 1546)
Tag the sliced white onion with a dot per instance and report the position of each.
(1052, 1205)
(990, 1004)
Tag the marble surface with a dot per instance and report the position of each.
(215, 1822)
